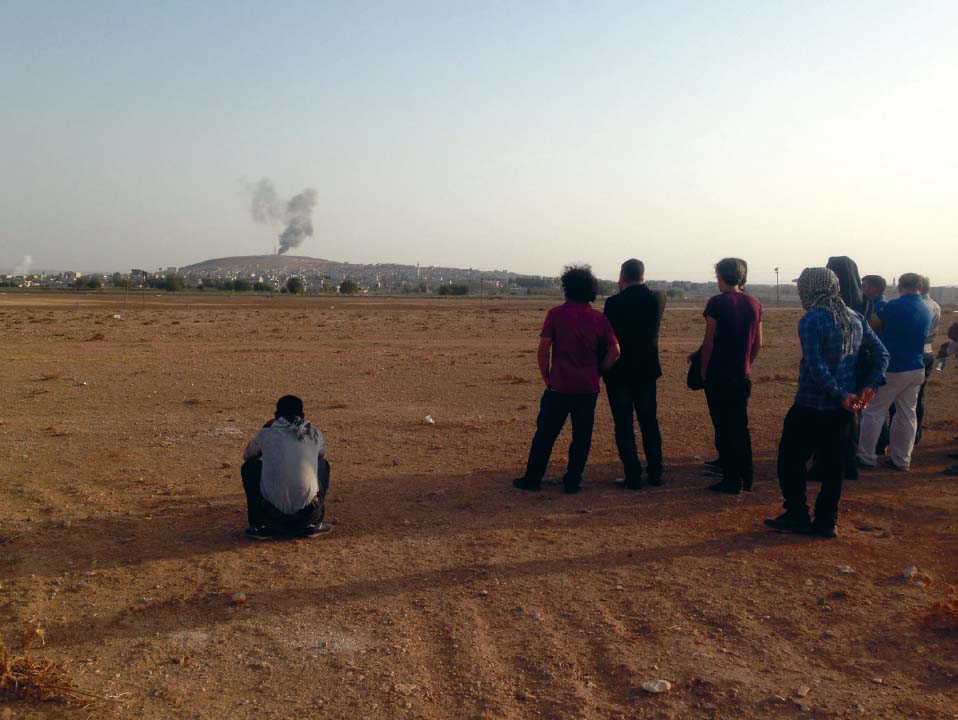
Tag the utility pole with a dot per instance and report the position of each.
(480, 288)
(776, 287)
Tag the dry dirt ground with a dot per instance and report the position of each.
(443, 592)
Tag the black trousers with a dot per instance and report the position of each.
(920, 409)
(640, 399)
(728, 406)
(824, 434)
(260, 512)
(554, 408)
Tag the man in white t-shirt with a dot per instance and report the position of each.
(286, 475)
(929, 352)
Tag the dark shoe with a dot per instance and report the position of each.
(628, 484)
(825, 530)
(727, 488)
(709, 470)
(716, 463)
(524, 484)
(746, 485)
(889, 463)
(316, 530)
(655, 478)
(790, 522)
(951, 470)
(571, 488)
(259, 533)
(866, 467)
(953, 456)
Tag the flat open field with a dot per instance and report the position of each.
(443, 592)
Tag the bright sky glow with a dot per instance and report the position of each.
(519, 135)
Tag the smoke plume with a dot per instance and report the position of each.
(23, 267)
(267, 208)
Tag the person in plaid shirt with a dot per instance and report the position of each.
(832, 384)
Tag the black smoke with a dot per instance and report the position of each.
(297, 213)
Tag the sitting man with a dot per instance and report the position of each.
(286, 476)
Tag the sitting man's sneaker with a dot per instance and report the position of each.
(655, 478)
(259, 533)
(316, 530)
(825, 530)
(727, 488)
(524, 484)
(628, 484)
(866, 466)
(889, 463)
(790, 522)
(716, 463)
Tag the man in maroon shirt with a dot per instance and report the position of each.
(576, 345)
(733, 339)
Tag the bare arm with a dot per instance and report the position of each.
(708, 343)
(756, 344)
(610, 357)
(544, 356)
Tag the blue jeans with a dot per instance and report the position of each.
(554, 408)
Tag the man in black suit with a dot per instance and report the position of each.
(635, 314)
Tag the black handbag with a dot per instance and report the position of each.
(694, 380)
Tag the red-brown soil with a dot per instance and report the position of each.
(443, 592)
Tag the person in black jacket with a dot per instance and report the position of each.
(635, 314)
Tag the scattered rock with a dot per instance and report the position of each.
(483, 593)
(226, 466)
(237, 598)
(909, 572)
(656, 686)
(429, 420)
(803, 691)
(878, 681)
(846, 569)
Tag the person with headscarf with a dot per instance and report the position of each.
(905, 323)
(830, 390)
(850, 284)
(286, 476)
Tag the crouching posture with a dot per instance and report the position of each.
(286, 476)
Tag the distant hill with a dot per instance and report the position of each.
(282, 264)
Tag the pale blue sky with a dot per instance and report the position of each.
(482, 134)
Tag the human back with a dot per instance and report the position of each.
(291, 452)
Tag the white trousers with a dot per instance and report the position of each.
(901, 390)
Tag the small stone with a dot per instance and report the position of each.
(483, 593)
(238, 598)
(656, 686)
(846, 569)
(619, 587)
(803, 691)
(878, 681)
(909, 572)
(226, 466)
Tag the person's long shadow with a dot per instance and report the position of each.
(215, 608)
(415, 506)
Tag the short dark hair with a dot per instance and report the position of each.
(925, 285)
(910, 282)
(579, 284)
(633, 270)
(733, 271)
(876, 281)
(289, 407)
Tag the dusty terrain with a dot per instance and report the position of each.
(443, 592)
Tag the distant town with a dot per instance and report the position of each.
(287, 274)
